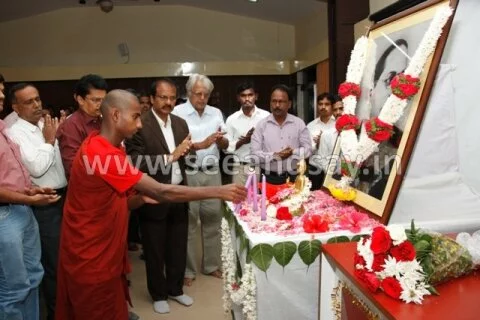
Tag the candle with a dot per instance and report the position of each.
(255, 192)
(263, 209)
(248, 185)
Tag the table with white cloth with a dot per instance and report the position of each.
(283, 293)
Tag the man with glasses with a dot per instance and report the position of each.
(207, 128)
(90, 91)
(20, 267)
(163, 139)
(281, 139)
(41, 156)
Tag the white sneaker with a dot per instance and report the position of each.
(161, 306)
(183, 299)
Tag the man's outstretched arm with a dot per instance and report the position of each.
(175, 193)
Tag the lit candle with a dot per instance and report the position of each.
(255, 192)
(263, 208)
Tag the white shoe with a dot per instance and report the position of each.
(183, 299)
(161, 306)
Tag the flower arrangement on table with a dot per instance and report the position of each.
(406, 264)
(285, 210)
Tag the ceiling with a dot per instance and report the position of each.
(284, 11)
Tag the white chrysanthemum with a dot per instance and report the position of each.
(392, 268)
(414, 294)
(397, 233)
(366, 253)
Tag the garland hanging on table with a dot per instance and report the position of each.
(243, 292)
(404, 86)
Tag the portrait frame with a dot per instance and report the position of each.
(401, 26)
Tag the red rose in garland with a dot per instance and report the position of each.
(349, 89)
(372, 281)
(315, 224)
(284, 214)
(381, 240)
(404, 251)
(348, 168)
(405, 86)
(378, 262)
(347, 122)
(392, 287)
(358, 259)
(378, 130)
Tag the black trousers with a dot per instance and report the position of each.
(165, 250)
(316, 176)
(49, 220)
(133, 227)
(276, 178)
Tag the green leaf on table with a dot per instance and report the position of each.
(338, 239)
(262, 255)
(238, 229)
(284, 251)
(358, 237)
(309, 251)
(244, 243)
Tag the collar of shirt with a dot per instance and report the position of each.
(164, 124)
(208, 110)
(254, 113)
(27, 125)
(332, 119)
(288, 119)
(86, 118)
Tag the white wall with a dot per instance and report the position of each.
(311, 38)
(67, 39)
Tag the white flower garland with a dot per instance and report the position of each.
(358, 150)
(240, 294)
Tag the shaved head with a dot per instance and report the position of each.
(120, 99)
(121, 115)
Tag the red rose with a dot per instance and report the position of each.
(381, 240)
(315, 224)
(378, 130)
(378, 262)
(347, 122)
(283, 214)
(405, 86)
(380, 136)
(372, 281)
(349, 89)
(392, 287)
(358, 259)
(360, 274)
(243, 212)
(404, 251)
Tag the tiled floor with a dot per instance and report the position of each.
(206, 291)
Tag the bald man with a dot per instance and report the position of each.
(93, 250)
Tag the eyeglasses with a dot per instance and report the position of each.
(30, 102)
(201, 94)
(165, 98)
(94, 100)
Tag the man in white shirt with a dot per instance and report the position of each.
(324, 135)
(207, 128)
(164, 226)
(240, 127)
(41, 156)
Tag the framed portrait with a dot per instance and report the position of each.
(392, 43)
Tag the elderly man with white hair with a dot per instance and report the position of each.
(207, 128)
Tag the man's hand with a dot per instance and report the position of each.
(39, 190)
(316, 139)
(284, 154)
(244, 139)
(50, 127)
(182, 149)
(233, 192)
(40, 200)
